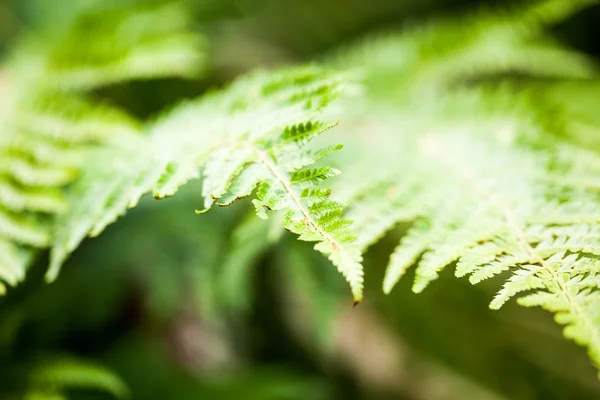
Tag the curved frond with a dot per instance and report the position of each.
(253, 136)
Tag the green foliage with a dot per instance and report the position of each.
(483, 175)
(52, 379)
(488, 226)
(255, 134)
(491, 175)
(49, 125)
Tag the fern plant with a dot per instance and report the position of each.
(489, 177)
(486, 177)
(49, 124)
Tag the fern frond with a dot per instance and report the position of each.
(47, 124)
(139, 42)
(52, 378)
(490, 178)
(491, 40)
(252, 136)
(487, 206)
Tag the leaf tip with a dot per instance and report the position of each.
(52, 272)
(387, 288)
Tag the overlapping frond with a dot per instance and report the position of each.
(47, 125)
(488, 178)
(140, 42)
(253, 136)
(437, 54)
(488, 205)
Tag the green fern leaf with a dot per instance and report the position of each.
(53, 377)
(440, 53)
(489, 178)
(48, 125)
(238, 136)
(488, 207)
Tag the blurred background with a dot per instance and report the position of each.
(162, 301)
